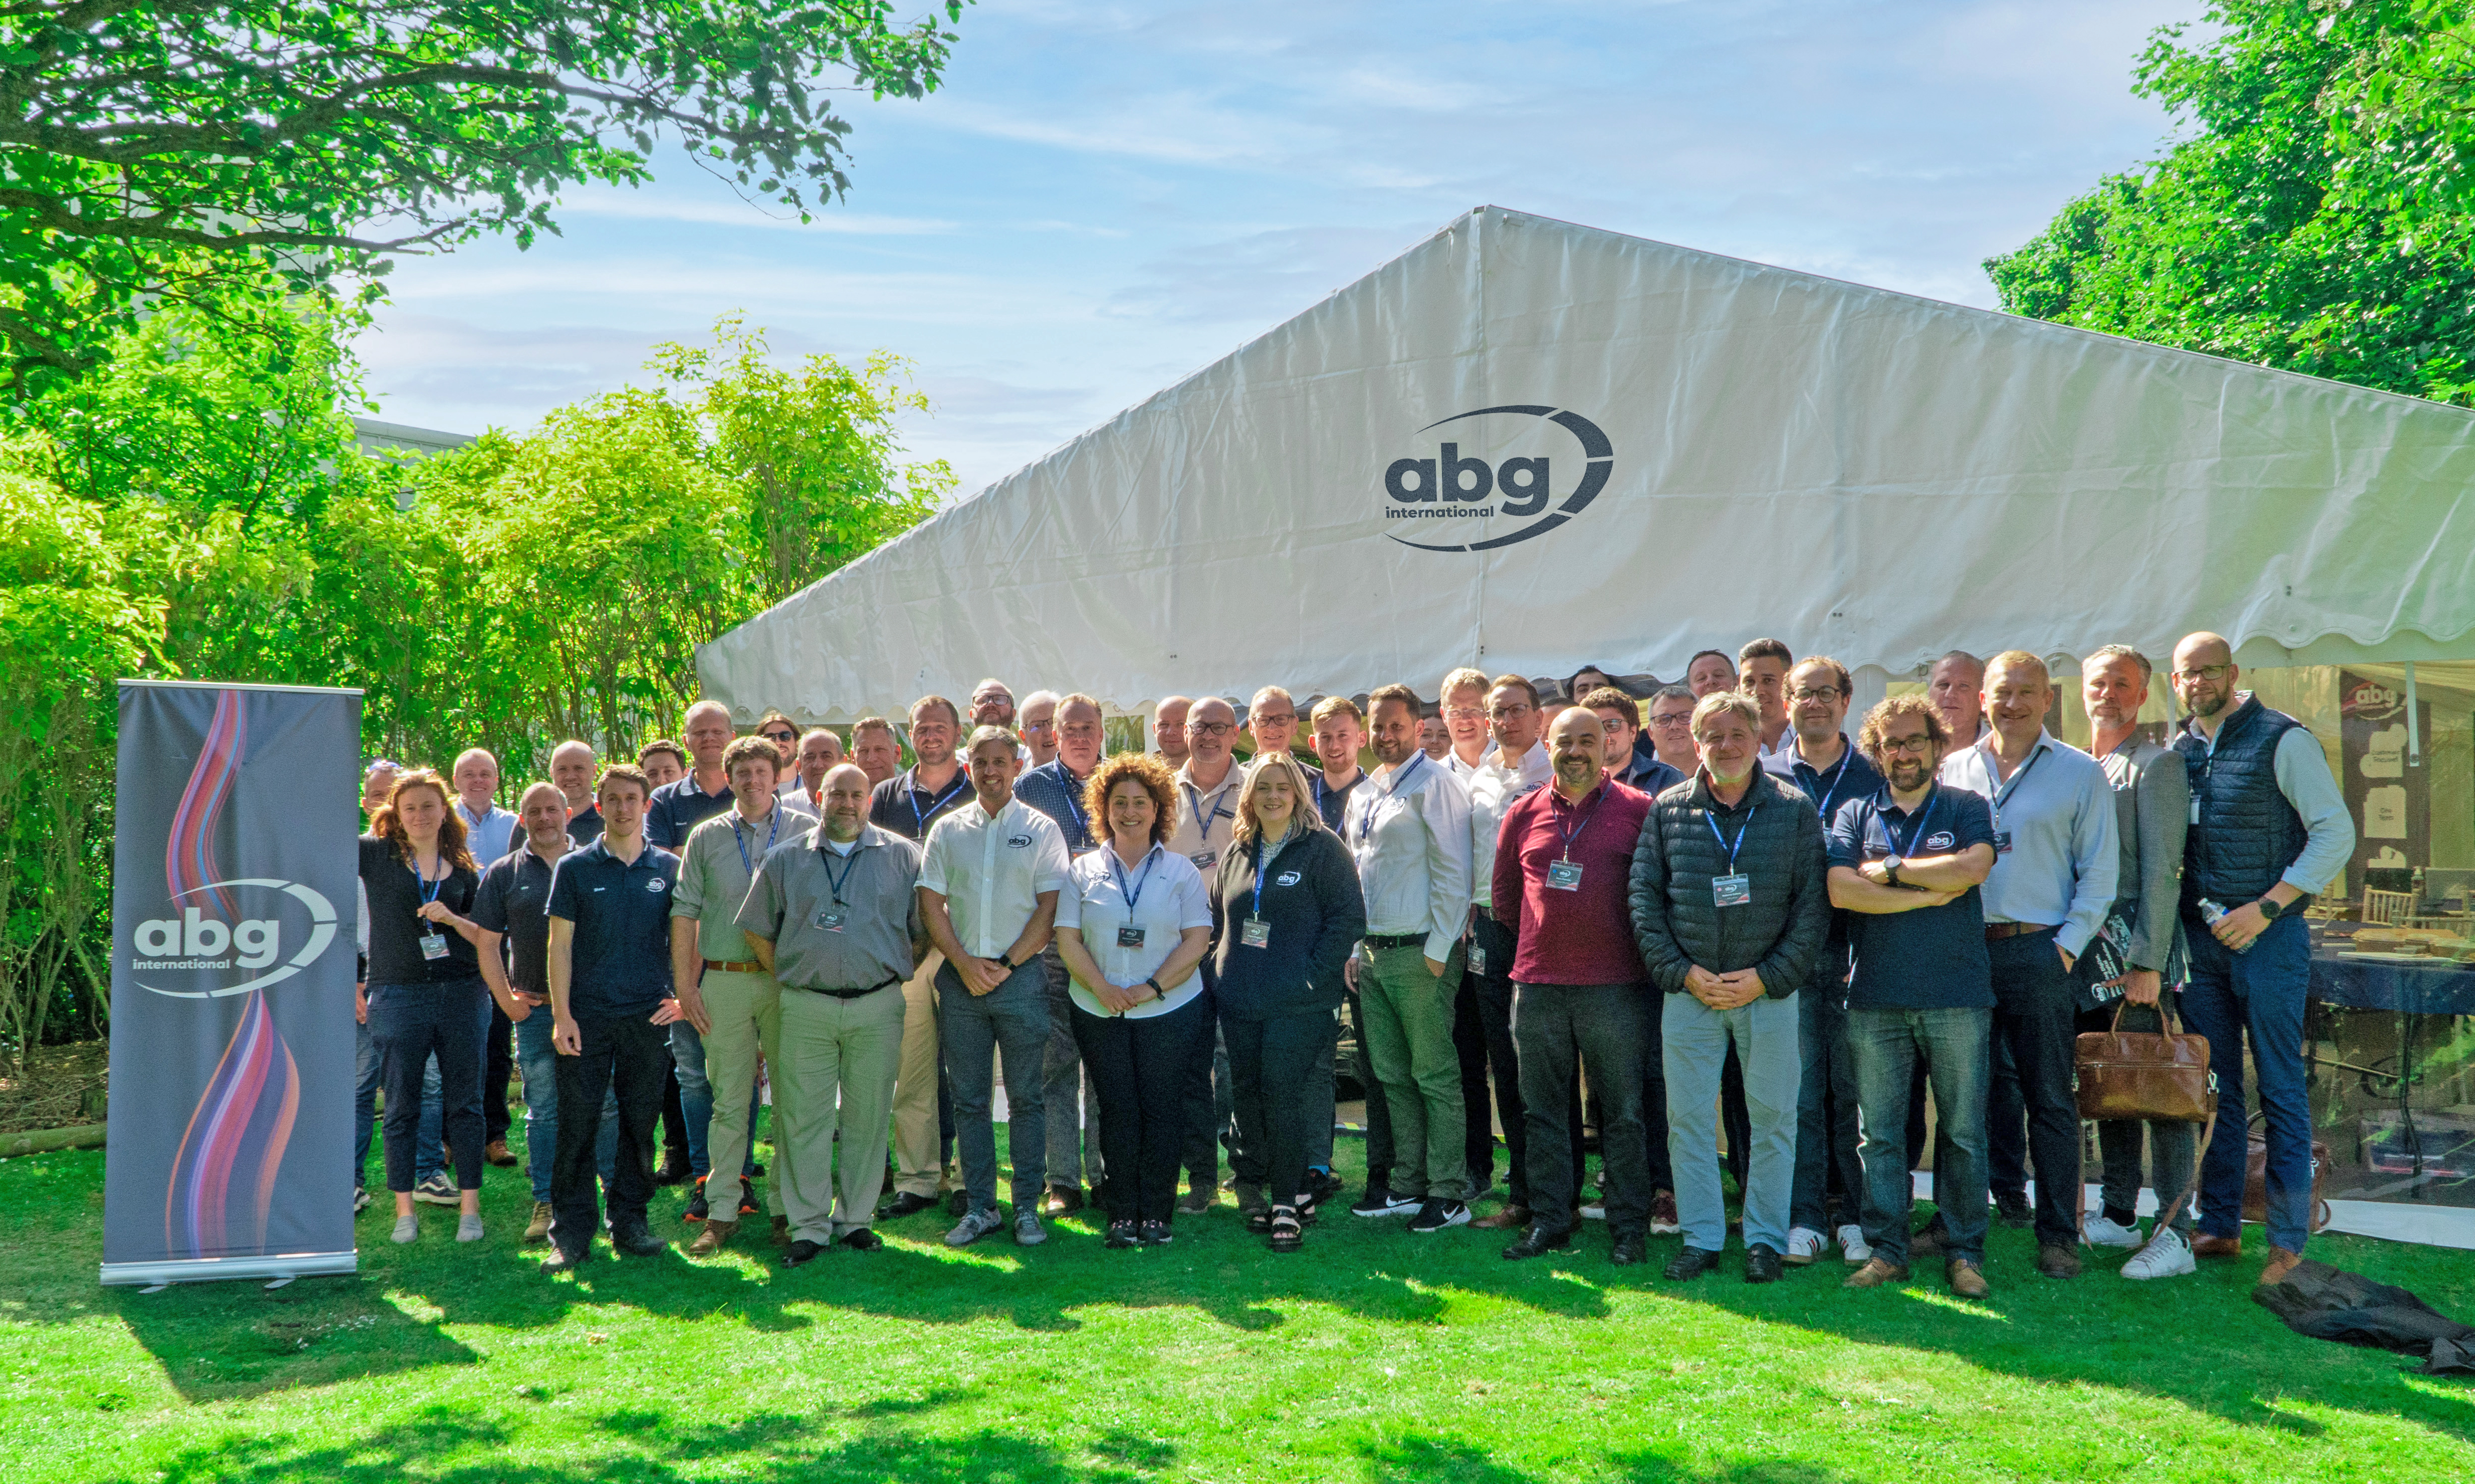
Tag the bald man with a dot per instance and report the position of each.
(1955, 686)
(1168, 729)
(489, 831)
(704, 792)
(573, 767)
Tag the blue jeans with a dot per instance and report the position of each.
(696, 1099)
(365, 1101)
(1886, 1045)
(1695, 1040)
(426, 1160)
(539, 1064)
(2259, 994)
(1011, 1021)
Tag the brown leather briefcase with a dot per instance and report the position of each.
(2144, 1074)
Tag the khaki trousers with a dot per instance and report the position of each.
(836, 1071)
(746, 1012)
(918, 1167)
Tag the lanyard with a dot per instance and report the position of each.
(1583, 823)
(773, 823)
(918, 820)
(1838, 775)
(430, 888)
(851, 864)
(1194, 805)
(1916, 827)
(1400, 781)
(1263, 864)
(1117, 869)
(1074, 806)
(1712, 820)
(2003, 794)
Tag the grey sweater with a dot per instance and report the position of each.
(1676, 918)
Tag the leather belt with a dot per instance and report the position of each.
(1384, 940)
(848, 994)
(735, 966)
(1995, 932)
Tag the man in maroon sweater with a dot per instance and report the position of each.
(1563, 857)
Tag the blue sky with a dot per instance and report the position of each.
(1104, 197)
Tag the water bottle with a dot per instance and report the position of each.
(2211, 911)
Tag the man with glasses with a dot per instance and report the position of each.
(1633, 768)
(1055, 788)
(1462, 710)
(1208, 788)
(1168, 729)
(1272, 720)
(1668, 723)
(1820, 761)
(1039, 728)
(1761, 672)
(784, 734)
(1483, 1011)
(910, 804)
(2268, 831)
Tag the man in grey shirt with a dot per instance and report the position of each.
(834, 917)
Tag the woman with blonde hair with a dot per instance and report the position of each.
(1133, 925)
(1286, 912)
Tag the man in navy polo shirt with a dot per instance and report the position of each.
(1820, 761)
(677, 808)
(1905, 864)
(611, 1009)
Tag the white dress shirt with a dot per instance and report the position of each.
(491, 835)
(1205, 817)
(2057, 853)
(1408, 829)
(1492, 789)
(1169, 899)
(991, 870)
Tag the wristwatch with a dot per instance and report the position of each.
(1891, 869)
(2269, 908)
(1157, 991)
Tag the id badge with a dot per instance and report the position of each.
(1130, 938)
(433, 944)
(1731, 890)
(1564, 875)
(2002, 842)
(2195, 809)
(1477, 960)
(1205, 860)
(1255, 933)
(830, 918)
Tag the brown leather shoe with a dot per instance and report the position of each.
(1925, 1241)
(1515, 1217)
(1967, 1280)
(497, 1154)
(711, 1238)
(1875, 1274)
(2281, 1262)
(2058, 1262)
(2217, 1247)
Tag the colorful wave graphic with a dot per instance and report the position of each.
(189, 853)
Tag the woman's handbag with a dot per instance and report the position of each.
(2162, 1075)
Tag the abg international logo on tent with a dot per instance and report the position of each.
(230, 937)
(1497, 464)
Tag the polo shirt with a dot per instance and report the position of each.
(584, 825)
(679, 807)
(1932, 958)
(490, 834)
(992, 870)
(1582, 935)
(513, 902)
(620, 946)
(2060, 863)
(1492, 789)
(1650, 775)
(718, 866)
(1057, 792)
(798, 880)
(903, 805)
(1852, 776)
(1408, 832)
(1206, 818)
(1164, 895)
(1330, 802)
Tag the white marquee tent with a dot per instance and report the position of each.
(1525, 444)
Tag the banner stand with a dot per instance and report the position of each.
(208, 1270)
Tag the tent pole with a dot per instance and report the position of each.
(2414, 733)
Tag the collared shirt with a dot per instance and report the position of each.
(717, 868)
(1206, 817)
(2056, 854)
(1492, 789)
(1408, 831)
(2303, 776)
(992, 870)
(1168, 898)
(792, 903)
(1334, 803)
(1786, 743)
(1582, 935)
(491, 834)
(584, 825)
(1930, 958)
(1852, 776)
(1465, 771)
(1647, 773)
(515, 891)
(620, 961)
(910, 808)
(679, 807)
(1057, 792)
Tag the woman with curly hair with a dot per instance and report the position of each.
(1132, 926)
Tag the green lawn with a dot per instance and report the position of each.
(1370, 1356)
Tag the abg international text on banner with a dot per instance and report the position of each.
(233, 923)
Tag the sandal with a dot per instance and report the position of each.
(1260, 1219)
(1288, 1235)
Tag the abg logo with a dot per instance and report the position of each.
(203, 948)
(1451, 486)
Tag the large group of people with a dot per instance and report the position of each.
(1704, 922)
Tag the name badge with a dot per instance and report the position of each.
(2002, 842)
(831, 918)
(1205, 860)
(2195, 809)
(1564, 875)
(433, 944)
(1130, 938)
(1731, 890)
(1255, 933)
(1478, 959)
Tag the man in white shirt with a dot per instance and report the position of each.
(987, 894)
(819, 753)
(1761, 672)
(1206, 789)
(1483, 1011)
(1408, 829)
(1463, 708)
(1272, 720)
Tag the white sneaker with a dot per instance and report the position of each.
(360, 1199)
(1804, 1245)
(1853, 1249)
(2102, 1230)
(2166, 1256)
(974, 1226)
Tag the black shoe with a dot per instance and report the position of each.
(801, 1250)
(1537, 1242)
(696, 1209)
(561, 1260)
(758, 1167)
(1121, 1233)
(1691, 1262)
(675, 1169)
(1630, 1252)
(747, 1206)
(633, 1236)
(1381, 1202)
(1437, 1214)
(957, 1203)
(1321, 1186)
(907, 1202)
(1156, 1233)
(2015, 1210)
(860, 1240)
(1762, 1263)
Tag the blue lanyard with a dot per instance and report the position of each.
(1712, 820)
(1117, 871)
(430, 888)
(773, 823)
(1263, 864)
(1194, 806)
(851, 864)
(1838, 775)
(1916, 827)
(1400, 781)
(918, 820)
(2002, 796)
(1074, 806)
(1583, 823)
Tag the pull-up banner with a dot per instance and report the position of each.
(233, 941)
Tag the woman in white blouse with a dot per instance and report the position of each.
(1133, 924)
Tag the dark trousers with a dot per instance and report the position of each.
(496, 1071)
(408, 1025)
(1278, 1100)
(1563, 1032)
(1140, 1070)
(1207, 1123)
(1379, 1118)
(1477, 1113)
(1653, 1103)
(2006, 1122)
(676, 1145)
(1735, 1119)
(1323, 1092)
(623, 1055)
(1826, 1112)
(1495, 996)
(2035, 1018)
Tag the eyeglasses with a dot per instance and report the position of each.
(785, 738)
(2203, 672)
(1516, 708)
(1040, 726)
(1284, 719)
(1816, 693)
(1896, 746)
(1671, 719)
(1210, 728)
(1464, 714)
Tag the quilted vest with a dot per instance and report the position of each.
(2247, 833)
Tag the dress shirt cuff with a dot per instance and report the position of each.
(1440, 946)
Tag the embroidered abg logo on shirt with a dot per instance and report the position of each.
(1941, 839)
(1289, 879)
(1018, 841)
(653, 883)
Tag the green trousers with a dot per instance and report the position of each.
(1408, 1032)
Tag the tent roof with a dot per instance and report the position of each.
(1679, 451)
